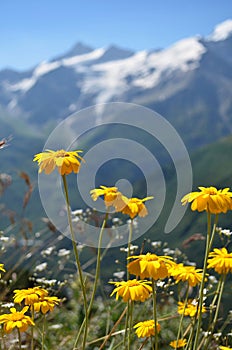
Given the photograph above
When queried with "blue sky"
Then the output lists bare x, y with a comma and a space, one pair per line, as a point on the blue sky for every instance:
32, 31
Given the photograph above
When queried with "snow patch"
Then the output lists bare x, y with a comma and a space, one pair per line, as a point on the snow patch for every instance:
108, 79
24, 85
111, 79
222, 31
93, 55
184, 55
143, 69
46, 67
12, 104
42, 69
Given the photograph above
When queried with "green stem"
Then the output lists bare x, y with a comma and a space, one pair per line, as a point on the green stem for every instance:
126, 337
211, 329
144, 343
32, 328
152, 345
97, 273
182, 316
213, 302
129, 243
126, 324
43, 332
98, 264
77, 261
213, 232
191, 327
130, 324
154, 295
20, 339
114, 327
209, 241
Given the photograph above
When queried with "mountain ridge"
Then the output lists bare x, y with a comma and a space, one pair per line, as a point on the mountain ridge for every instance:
190, 82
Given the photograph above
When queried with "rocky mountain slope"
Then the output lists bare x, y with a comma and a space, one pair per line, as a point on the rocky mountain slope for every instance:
189, 83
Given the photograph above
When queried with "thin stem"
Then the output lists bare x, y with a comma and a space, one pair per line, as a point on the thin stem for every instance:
3, 339
213, 231
77, 262
130, 324
126, 337
152, 345
126, 324
32, 328
129, 243
114, 327
211, 329
144, 343
201, 343
154, 295
43, 332
97, 273
213, 302
182, 315
20, 339
190, 326
201, 293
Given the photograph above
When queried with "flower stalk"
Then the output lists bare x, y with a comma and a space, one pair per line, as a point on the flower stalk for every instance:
211, 329
154, 296
43, 331
20, 339
32, 328
97, 274
209, 241
182, 315
77, 262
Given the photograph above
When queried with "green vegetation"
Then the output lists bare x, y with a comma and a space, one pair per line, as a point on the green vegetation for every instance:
169, 295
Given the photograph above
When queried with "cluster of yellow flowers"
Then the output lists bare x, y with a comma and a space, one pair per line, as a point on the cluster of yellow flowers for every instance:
157, 267
36, 299
150, 265
128, 206
154, 267
189, 309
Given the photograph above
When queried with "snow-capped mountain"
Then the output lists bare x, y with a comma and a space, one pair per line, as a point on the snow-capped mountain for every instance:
189, 83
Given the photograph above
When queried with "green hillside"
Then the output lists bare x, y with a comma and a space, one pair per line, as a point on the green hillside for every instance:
211, 166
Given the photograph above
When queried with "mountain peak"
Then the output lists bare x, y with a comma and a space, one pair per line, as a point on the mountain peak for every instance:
113, 53
222, 31
78, 49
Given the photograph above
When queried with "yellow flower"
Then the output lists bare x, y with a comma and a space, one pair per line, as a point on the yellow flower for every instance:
210, 199
186, 273
46, 304
224, 348
190, 309
220, 260
30, 295
16, 319
112, 197
146, 328
150, 265
2, 268
178, 344
66, 162
132, 290
135, 206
